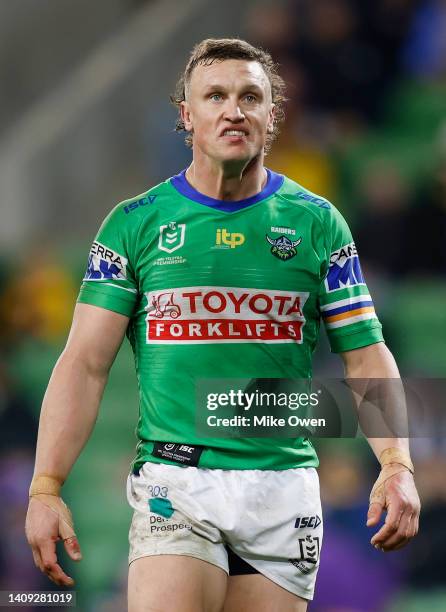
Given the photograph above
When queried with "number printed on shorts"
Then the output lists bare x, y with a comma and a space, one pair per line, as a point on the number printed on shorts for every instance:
158, 491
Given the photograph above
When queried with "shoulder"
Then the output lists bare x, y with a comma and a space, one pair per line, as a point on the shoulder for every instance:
316, 205
322, 212
131, 210
302, 195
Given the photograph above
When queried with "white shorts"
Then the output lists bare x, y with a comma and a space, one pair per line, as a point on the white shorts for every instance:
271, 519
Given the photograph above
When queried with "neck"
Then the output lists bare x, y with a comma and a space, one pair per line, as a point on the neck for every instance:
230, 181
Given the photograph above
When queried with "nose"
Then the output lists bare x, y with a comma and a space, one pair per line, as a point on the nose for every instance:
233, 111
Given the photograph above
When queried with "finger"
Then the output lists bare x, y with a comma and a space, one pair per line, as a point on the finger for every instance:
401, 537
50, 565
374, 514
57, 575
401, 545
394, 514
65, 529
416, 523
412, 528
37, 558
72, 547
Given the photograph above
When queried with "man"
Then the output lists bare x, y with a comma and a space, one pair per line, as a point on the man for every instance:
193, 309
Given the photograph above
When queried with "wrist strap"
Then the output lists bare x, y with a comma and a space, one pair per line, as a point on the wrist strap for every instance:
396, 455
44, 484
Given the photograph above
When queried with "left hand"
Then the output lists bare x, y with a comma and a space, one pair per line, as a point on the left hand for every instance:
403, 511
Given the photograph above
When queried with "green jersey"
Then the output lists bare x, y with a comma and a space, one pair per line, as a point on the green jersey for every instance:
224, 289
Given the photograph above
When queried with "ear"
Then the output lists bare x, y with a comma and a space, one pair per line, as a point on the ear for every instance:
271, 119
186, 116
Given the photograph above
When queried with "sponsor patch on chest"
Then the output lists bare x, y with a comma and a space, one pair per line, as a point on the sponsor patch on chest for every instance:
224, 314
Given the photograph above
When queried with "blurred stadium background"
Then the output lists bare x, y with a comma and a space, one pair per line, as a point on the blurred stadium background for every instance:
85, 122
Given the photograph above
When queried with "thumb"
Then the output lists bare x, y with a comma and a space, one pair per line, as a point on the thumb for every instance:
73, 549
374, 514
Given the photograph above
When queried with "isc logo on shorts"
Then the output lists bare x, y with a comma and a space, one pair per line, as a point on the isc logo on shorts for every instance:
224, 314
311, 522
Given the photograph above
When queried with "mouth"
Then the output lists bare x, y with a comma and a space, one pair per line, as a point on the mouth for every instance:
232, 133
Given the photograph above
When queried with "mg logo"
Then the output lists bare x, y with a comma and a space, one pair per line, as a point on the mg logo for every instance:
171, 236
225, 239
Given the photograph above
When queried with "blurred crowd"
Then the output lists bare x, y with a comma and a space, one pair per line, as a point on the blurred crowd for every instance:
350, 66
366, 128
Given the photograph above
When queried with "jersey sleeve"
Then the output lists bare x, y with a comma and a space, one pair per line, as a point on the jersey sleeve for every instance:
109, 280
345, 303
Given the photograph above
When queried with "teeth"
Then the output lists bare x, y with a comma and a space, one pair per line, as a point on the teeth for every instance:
234, 133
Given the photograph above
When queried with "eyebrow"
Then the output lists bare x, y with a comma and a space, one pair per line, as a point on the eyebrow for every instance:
245, 88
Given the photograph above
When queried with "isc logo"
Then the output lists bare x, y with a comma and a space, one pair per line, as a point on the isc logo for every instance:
137, 203
307, 521
224, 237
186, 449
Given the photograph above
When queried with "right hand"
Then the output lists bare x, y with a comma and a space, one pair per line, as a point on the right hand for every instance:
44, 527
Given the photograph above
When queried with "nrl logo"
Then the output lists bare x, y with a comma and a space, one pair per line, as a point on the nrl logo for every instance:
171, 236
283, 247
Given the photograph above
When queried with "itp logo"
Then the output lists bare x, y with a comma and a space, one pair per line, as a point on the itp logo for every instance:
225, 239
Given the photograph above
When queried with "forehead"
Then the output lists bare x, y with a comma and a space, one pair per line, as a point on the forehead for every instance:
229, 73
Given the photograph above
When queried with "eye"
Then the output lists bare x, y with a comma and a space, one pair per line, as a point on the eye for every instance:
216, 97
250, 98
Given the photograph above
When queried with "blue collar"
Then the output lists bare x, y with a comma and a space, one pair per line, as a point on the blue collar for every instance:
181, 184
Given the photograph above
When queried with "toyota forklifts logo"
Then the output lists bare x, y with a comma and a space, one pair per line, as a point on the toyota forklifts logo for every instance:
224, 314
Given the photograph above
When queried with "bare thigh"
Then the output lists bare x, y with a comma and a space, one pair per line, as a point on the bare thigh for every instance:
256, 593
162, 583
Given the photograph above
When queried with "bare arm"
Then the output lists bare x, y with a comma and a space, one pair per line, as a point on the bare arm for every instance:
374, 361
69, 411
401, 497
71, 403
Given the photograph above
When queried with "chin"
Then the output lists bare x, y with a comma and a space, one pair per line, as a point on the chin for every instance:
236, 156
240, 154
